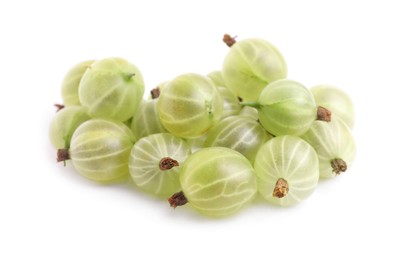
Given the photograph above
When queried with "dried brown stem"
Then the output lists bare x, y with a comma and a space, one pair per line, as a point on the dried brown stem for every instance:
338, 166
59, 107
281, 188
155, 93
229, 40
62, 155
177, 199
166, 163
323, 114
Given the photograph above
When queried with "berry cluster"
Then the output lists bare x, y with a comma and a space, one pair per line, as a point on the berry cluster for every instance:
213, 141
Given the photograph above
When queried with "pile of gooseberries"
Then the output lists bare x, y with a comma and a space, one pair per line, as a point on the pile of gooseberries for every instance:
214, 141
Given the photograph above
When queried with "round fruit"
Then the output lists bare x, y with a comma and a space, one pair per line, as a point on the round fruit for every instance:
111, 88
100, 149
287, 169
154, 163
250, 65
189, 105
216, 181
334, 144
286, 107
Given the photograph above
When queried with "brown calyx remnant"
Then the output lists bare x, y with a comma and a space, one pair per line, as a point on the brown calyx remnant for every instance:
166, 163
155, 93
281, 188
323, 114
59, 107
62, 155
338, 166
229, 40
177, 199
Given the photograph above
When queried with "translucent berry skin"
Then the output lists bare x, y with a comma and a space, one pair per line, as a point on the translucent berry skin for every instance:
240, 133
291, 159
286, 107
250, 65
335, 100
64, 124
331, 140
70, 83
145, 159
249, 112
231, 101
189, 105
100, 149
218, 181
111, 88
217, 78
146, 120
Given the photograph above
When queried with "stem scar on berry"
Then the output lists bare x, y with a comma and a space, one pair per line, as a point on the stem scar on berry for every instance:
167, 163
281, 188
323, 114
229, 40
177, 199
155, 93
338, 166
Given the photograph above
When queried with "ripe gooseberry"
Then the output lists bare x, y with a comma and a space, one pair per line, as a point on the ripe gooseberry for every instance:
154, 163
250, 65
111, 88
99, 150
189, 105
287, 169
334, 144
216, 181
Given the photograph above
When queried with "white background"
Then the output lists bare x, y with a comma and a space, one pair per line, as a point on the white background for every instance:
50, 212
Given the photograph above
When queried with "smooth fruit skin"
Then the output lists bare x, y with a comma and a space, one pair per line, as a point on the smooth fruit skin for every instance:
231, 101
189, 105
286, 108
71, 81
99, 149
250, 65
249, 112
111, 88
144, 161
64, 124
335, 100
331, 140
146, 120
289, 158
217, 78
218, 181
240, 133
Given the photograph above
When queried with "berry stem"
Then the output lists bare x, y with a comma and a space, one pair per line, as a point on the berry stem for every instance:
338, 166
229, 40
281, 188
323, 114
59, 107
251, 104
129, 76
166, 163
177, 199
155, 93
62, 155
